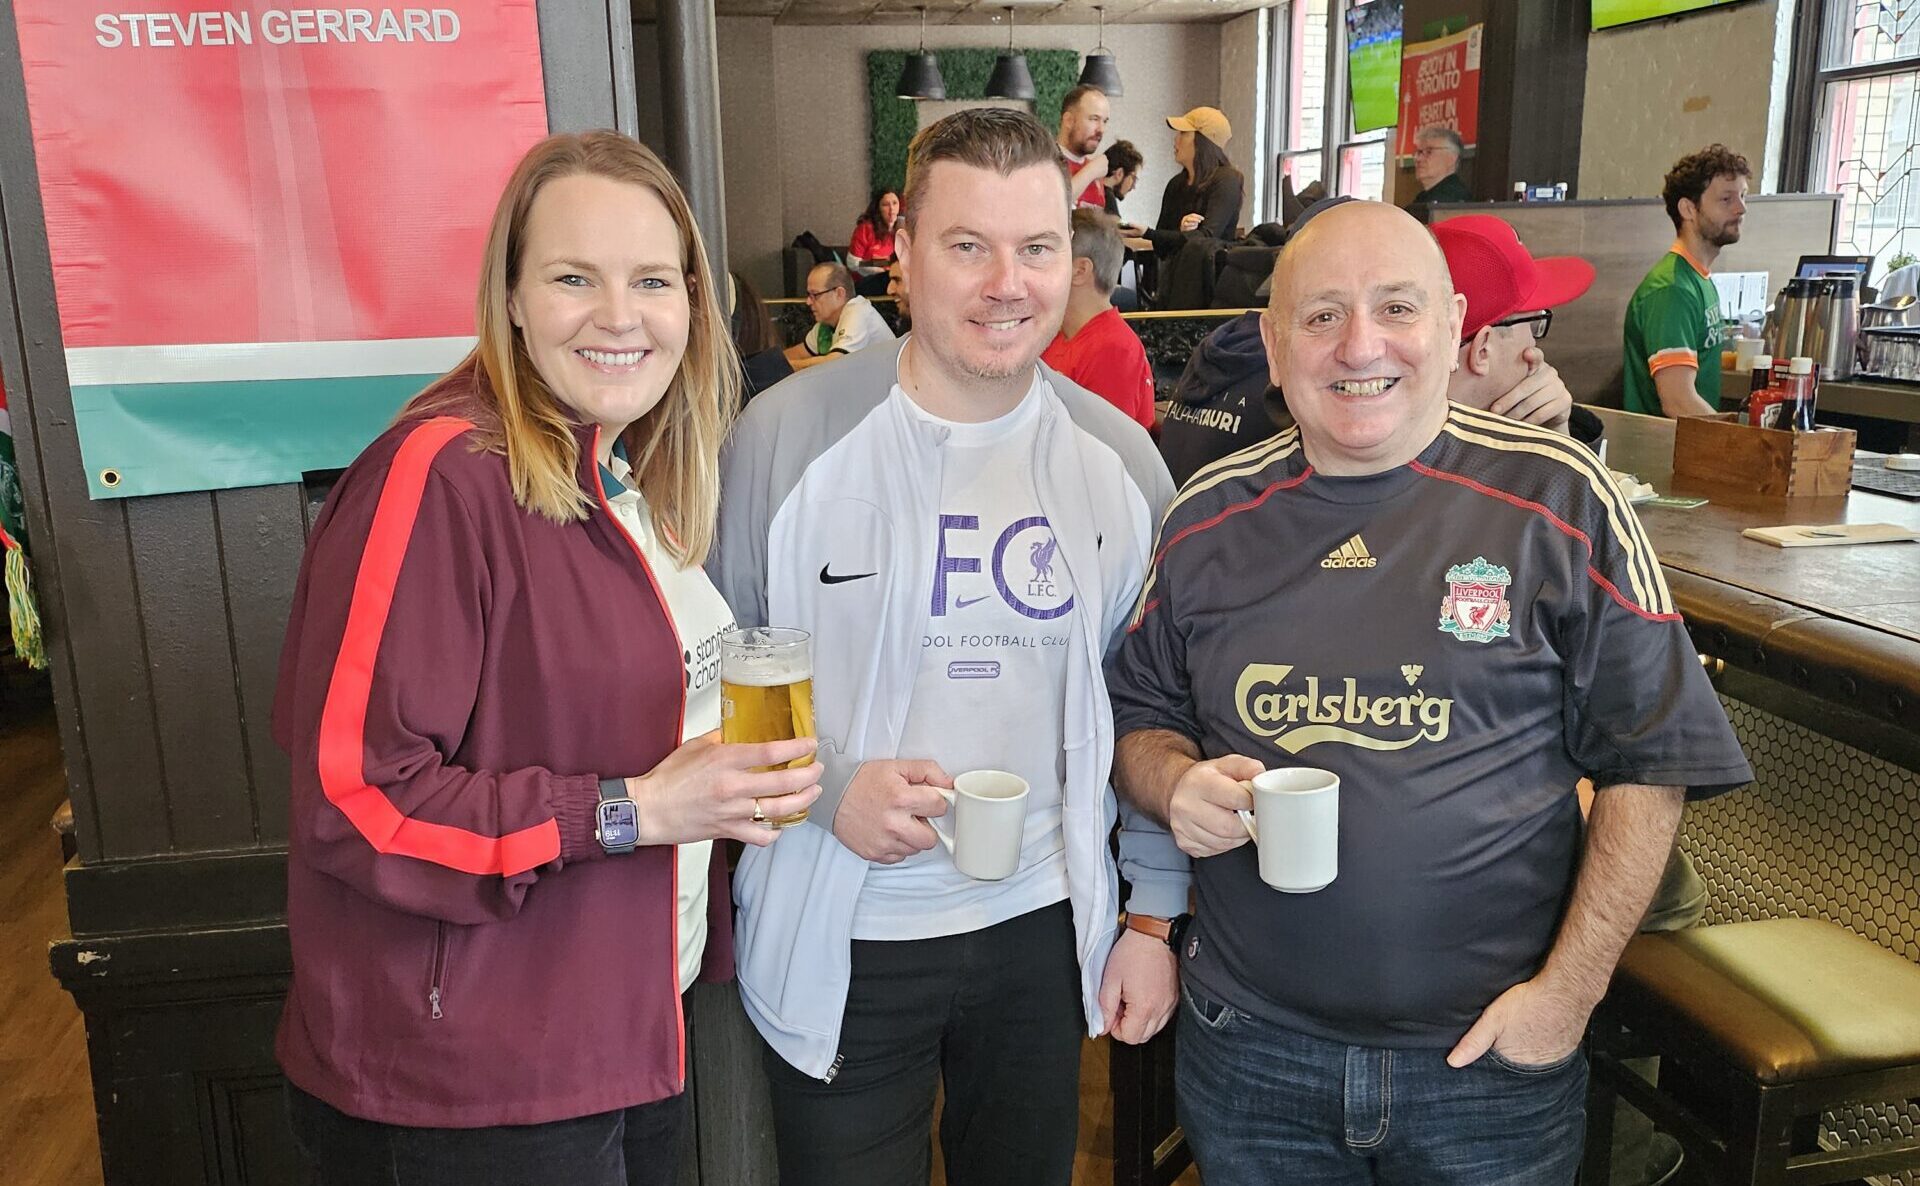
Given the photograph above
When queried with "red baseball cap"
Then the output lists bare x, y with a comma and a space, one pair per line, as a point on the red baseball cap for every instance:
1499, 277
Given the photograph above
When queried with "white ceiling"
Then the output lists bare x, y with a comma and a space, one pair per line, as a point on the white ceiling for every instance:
973, 12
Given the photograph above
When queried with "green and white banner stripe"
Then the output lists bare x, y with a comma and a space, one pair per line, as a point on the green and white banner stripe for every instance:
165, 419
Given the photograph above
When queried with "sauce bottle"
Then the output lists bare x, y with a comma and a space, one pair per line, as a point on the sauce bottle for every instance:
1764, 396
1800, 393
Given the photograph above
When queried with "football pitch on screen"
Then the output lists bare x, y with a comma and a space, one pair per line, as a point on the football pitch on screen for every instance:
1607, 13
1375, 73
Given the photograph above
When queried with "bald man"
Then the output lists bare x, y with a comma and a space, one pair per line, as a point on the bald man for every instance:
1457, 615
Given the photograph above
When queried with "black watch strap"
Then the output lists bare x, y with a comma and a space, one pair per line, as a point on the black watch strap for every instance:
612, 789
1177, 931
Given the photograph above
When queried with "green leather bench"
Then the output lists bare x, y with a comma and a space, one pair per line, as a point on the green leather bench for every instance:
1759, 1027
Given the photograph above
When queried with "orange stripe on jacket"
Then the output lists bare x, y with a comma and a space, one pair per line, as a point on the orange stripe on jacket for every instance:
344, 718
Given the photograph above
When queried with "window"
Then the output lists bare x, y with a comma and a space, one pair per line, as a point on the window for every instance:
1297, 80
1864, 146
1307, 76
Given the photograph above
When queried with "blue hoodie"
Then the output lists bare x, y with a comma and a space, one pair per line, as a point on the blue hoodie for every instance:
1220, 404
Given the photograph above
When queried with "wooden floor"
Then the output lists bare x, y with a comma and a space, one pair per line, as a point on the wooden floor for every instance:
46, 1099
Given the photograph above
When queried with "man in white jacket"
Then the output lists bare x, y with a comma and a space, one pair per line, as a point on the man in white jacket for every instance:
964, 532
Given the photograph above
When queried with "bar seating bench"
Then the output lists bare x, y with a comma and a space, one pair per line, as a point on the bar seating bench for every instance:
1760, 1027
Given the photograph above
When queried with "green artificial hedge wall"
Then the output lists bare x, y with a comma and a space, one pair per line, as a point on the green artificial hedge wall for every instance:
892, 120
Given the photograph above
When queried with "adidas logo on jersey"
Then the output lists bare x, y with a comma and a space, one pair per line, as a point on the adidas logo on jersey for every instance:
1352, 554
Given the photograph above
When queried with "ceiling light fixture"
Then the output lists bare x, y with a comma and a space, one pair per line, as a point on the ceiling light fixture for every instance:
1011, 79
1101, 70
920, 75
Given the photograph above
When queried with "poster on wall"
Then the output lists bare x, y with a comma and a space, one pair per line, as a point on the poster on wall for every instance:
1440, 84
266, 222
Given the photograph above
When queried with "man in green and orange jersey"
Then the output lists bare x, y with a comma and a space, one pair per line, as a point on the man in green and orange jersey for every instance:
1673, 332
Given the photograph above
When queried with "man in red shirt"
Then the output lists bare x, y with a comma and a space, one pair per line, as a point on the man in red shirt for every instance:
1084, 113
1095, 347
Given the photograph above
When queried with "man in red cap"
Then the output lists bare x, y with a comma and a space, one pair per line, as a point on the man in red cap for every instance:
1510, 301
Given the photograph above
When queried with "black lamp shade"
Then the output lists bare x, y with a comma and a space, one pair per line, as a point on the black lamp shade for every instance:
920, 77
1101, 71
1011, 79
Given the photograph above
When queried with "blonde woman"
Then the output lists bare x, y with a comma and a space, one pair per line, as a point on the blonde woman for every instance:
497, 701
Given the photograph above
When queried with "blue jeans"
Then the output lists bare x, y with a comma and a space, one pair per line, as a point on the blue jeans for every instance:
1263, 1104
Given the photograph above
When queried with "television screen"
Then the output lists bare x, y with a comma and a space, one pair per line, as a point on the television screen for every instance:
1373, 63
1608, 13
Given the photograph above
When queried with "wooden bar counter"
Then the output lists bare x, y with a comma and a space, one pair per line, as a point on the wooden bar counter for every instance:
1816, 654
1841, 623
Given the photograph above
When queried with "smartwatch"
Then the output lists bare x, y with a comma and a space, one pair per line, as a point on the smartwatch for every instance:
1167, 930
616, 819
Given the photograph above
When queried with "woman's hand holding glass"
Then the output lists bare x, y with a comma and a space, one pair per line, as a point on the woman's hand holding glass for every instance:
708, 790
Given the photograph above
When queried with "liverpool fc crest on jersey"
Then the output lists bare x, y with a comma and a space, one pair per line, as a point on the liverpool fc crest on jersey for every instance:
1475, 608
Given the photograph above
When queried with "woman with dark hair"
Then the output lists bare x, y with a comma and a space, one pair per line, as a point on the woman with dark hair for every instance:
762, 359
872, 242
1204, 197
1199, 210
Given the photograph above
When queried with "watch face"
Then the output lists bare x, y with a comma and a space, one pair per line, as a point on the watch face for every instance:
619, 824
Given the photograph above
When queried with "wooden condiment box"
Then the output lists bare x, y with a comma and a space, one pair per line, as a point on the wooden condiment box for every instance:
1724, 450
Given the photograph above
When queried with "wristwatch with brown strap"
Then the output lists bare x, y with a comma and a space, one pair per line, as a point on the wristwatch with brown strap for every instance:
1167, 930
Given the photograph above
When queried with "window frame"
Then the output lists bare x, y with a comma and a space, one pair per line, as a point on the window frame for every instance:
1337, 135
1810, 82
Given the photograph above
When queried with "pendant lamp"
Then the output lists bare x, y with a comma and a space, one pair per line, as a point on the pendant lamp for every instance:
1011, 79
1101, 70
920, 76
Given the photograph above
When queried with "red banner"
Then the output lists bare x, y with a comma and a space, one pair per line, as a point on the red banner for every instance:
1440, 84
274, 175
266, 222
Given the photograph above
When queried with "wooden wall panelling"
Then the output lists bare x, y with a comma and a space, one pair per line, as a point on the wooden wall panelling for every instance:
176, 559
262, 532
731, 1140
1623, 239
108, 699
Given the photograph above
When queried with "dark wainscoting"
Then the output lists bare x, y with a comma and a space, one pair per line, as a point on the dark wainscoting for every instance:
164, 621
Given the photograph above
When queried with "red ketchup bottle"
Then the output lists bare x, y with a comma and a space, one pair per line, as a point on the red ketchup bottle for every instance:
1764, 397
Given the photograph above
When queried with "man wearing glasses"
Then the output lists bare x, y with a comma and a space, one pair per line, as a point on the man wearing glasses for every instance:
843, 322
1510, 301
1499, 367
1436, 164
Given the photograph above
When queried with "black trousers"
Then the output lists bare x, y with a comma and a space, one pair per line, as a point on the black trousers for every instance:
627, 1147
995, 1015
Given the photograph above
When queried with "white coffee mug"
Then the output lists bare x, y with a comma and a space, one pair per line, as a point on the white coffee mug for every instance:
989, 822
1298, 811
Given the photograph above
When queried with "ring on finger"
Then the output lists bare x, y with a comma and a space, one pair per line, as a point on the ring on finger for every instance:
759, 816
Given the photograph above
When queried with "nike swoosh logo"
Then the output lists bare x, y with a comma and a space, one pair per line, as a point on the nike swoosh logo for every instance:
827, 578
964, 602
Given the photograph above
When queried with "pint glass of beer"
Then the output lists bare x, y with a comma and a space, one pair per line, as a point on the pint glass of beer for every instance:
766, 692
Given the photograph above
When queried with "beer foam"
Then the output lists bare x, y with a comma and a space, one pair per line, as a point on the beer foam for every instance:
765, 671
